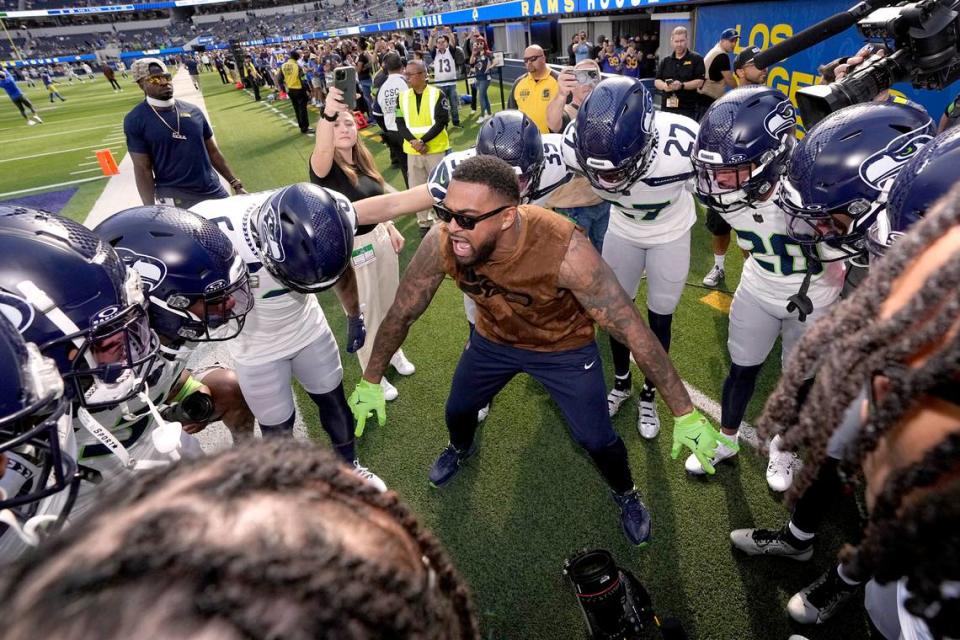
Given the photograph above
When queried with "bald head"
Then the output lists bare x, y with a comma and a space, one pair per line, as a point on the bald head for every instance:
535, 60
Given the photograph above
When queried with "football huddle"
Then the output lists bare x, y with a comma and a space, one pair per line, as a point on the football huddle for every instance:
850, 235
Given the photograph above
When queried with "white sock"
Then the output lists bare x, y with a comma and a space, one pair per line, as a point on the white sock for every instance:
718, 260
843, 576
799, 534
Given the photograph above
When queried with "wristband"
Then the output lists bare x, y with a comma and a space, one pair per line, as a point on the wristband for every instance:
323, 115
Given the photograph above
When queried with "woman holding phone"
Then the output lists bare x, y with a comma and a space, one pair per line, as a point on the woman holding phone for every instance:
480, 60
342, 162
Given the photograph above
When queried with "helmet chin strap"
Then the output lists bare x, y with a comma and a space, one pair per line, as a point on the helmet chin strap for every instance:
800, 301
165, 435
28, 530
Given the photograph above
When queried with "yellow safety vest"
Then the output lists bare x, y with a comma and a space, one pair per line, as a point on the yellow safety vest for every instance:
420, 121
291, 74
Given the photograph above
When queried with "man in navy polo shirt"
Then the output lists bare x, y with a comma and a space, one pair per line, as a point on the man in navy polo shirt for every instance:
175, 159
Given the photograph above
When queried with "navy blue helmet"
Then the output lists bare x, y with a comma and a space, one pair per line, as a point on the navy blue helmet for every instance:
838, 172
36, 434
197, 286
514, 138
614, 134
68, 292
743, 147
304, 236
925, 179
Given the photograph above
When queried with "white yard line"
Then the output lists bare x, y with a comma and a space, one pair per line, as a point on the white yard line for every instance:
51, 153
709, 406
50, 186
58, 133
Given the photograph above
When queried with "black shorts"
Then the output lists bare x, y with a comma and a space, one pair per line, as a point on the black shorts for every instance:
716, 224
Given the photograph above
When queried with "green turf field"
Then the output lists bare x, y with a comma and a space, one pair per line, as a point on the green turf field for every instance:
61, 150
530, 497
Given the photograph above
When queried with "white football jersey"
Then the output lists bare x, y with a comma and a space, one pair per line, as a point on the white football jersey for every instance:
23, 474
776, 266
282, 321
132, 424
554, 173
659, 207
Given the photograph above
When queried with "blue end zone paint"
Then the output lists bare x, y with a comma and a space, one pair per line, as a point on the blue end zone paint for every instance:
52, 201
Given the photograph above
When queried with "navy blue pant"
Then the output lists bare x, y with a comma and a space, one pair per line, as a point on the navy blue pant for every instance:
574, 379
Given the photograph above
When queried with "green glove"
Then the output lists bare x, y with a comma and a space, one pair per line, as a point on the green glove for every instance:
366, 399
695, 432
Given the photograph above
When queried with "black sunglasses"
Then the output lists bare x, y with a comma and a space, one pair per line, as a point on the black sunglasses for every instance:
467, 223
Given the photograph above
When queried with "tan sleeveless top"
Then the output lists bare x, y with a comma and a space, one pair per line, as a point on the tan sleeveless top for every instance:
518, 301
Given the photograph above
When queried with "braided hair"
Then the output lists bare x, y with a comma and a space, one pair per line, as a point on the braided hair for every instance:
271, 540
915, 538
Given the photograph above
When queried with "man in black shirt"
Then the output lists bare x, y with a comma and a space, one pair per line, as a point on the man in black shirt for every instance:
679, 77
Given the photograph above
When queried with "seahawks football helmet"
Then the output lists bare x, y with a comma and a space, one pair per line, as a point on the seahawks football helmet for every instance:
197, 286
923, 180
303, 235
614, 136
67, 291
743, 147
39, 481
839, 171
513, 137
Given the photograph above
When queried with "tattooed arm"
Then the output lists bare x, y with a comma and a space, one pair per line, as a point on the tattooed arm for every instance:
417, 288
593, 283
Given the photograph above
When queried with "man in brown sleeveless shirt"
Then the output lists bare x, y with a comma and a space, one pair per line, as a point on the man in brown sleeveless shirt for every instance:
539, 286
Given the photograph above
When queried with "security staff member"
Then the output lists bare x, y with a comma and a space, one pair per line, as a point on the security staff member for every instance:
292, 76
422, 116
252, 77
385, 110
534, 90
679, 77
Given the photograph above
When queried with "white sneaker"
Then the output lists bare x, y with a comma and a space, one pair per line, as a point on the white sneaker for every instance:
389, 391
722, 453
365, 474
481, 119
403, 366
713, 277
616, 398
781, 467
37, 118
648, 420
483, 413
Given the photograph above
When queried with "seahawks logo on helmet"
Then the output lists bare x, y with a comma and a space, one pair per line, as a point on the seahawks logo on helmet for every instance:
17, 310
647, 122
782, 119
885, 164
271, 235
152, 270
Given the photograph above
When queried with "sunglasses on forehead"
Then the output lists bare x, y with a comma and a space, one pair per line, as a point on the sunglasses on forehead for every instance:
465, 222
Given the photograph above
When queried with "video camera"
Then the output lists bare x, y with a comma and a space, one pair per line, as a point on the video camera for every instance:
924, 38
614, 603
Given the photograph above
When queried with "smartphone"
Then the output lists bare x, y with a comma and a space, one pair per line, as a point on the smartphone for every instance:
345, 79
587, 76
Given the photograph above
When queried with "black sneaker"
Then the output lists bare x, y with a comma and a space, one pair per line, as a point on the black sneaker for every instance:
821, 599
766, 542
448, 464
634, 517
